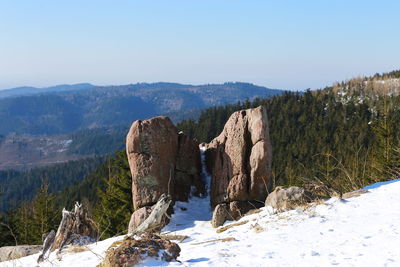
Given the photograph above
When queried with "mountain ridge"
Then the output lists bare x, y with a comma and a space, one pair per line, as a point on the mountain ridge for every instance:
71, 109
30, 90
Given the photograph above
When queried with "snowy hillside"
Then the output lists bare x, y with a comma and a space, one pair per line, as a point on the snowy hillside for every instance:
361, 231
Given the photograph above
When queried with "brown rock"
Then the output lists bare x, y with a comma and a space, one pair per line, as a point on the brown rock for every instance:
151, 147
282, 199
238, 209
232, 211
220, 215
239, 159
162, 161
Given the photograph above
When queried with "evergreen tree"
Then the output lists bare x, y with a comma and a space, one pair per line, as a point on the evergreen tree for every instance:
22, 224
115, 206
31, 220
386, 150
45, 215
7, 235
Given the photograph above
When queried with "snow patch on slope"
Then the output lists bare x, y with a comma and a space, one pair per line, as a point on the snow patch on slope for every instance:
361, 231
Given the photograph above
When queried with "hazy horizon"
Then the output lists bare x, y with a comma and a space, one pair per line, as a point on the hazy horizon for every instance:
287, 45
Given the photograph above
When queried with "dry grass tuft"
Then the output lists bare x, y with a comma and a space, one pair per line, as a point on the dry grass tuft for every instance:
257, 228
224, 228
115, 244
179, 238
227, 239
354, 193
77, 249
254, 211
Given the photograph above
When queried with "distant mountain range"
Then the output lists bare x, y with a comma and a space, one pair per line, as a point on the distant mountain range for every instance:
27, 90
66, 108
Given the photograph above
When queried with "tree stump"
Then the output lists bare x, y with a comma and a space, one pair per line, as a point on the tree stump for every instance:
75, 226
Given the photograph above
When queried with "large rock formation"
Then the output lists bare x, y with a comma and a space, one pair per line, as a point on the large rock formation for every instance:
239, 159
162, 161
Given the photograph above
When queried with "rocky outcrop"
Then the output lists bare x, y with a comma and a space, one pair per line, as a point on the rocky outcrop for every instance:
239, 159
162, 161
132, 251
152, 147
282, 199
16, 252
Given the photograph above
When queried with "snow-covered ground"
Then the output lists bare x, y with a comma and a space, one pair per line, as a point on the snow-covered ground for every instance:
361, 231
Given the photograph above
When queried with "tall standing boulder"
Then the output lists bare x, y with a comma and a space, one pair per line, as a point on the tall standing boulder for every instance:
151, 146
239, 159
162, 161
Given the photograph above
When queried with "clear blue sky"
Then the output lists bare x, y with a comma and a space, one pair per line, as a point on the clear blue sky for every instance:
279, 44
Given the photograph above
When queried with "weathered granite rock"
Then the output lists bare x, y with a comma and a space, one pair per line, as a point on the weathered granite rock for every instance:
238, 209
220, 215
16, 252
161, 161
230, 211
282, 199
239, 159
152, 147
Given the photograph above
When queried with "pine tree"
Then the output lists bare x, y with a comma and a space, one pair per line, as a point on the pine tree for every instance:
45, 215
22, 223
32, 219
7, 235
115, 206
386, 151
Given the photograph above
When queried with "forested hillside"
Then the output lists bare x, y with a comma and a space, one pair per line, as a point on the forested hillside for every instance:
27, 90
24, 152
20, 186
65, 111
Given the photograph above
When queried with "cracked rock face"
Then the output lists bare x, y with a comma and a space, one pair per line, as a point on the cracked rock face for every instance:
161, 161
239, 159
